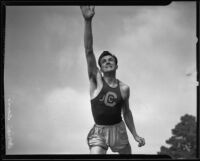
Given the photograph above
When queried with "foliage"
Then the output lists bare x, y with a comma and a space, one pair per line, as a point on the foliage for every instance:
183, 141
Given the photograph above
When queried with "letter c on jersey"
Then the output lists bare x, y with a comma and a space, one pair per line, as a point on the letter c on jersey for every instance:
110, 99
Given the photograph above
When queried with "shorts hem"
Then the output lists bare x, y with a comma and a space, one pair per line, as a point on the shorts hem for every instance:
90, 146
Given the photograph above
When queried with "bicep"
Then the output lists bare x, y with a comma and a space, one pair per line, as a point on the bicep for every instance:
126, 108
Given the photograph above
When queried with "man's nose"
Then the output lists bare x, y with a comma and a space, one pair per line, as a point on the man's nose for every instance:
107, 63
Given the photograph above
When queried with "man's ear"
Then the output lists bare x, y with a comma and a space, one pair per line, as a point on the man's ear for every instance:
116, 67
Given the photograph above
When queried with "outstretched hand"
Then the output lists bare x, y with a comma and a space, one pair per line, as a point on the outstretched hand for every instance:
140, 140
87, 12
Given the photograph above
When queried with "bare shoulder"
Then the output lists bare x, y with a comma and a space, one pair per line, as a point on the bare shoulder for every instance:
99, 76
125, 90
96, 84
124, 87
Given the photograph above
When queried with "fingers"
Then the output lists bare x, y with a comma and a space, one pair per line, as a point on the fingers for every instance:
81, 7
84, 7
92, 8
141, 142
88, 8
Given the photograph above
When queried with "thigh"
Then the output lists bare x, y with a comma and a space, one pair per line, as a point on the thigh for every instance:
119, 138
96, 139
97, 150
125, 150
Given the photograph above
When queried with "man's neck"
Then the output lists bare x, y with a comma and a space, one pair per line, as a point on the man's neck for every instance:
110, 78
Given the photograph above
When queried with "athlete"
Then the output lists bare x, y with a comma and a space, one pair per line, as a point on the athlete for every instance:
109, 99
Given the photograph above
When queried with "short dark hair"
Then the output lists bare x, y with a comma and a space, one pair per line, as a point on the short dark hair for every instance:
105, 53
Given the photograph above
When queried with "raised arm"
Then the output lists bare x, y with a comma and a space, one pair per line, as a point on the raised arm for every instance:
88, 13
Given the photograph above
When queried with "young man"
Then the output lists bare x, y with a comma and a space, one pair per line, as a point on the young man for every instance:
109, 98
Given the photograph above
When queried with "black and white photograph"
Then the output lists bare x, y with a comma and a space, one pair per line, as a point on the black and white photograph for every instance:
62, 96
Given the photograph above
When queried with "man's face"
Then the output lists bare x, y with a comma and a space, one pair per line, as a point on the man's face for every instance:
108, 64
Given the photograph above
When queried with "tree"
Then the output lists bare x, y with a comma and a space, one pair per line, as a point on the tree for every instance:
183, 141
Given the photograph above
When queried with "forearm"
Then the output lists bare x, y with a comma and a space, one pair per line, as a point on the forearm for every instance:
128, 118
88, 38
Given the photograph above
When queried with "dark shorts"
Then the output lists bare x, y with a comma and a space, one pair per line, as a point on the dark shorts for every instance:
105, 136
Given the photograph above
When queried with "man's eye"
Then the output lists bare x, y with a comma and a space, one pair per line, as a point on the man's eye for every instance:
103, 61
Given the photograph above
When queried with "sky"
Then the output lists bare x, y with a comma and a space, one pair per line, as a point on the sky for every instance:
46, 83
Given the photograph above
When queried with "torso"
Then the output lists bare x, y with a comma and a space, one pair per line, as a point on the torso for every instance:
107, 101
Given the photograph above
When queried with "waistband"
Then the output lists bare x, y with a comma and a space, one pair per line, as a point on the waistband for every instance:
96, 125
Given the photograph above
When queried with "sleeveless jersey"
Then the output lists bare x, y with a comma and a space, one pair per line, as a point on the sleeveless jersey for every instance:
106, 106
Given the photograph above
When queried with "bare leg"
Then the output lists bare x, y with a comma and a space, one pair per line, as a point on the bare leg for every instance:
97, 150
126, 150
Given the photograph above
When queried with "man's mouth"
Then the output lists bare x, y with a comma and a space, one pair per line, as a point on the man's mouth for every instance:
109, 67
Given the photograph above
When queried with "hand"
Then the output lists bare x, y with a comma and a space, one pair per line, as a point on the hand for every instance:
88, 12
140, 140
